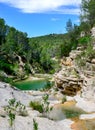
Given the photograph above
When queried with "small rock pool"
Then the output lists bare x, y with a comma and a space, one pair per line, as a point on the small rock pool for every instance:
32, 84
67, 110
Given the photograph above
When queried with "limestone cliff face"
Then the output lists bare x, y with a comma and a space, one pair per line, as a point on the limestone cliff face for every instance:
20, 70
68, 80
72, 79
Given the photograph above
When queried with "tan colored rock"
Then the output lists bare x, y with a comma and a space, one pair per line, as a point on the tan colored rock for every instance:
93, 31
93, 61
74, 53
68, 81
67, 62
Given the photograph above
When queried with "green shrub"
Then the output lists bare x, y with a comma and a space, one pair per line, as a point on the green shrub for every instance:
43, 106
5, 66
35, 125
84, 40
64, 99
80, 60
5, 78
36, 106
14, 107
90, 53
27, 68
87, 55
48, 85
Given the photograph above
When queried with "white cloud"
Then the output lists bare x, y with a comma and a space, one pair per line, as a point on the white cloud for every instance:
68, 11
55, 19
42, 6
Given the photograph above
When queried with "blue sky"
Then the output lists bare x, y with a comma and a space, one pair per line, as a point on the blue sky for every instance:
40, 17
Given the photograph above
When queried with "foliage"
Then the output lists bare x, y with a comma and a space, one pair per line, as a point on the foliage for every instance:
5, 78
35, 125
71, 113
4, 65
38, 52
69, 26
73, 35
87, 55
84, 41
88, 11
3, 30
64, 99
12, 43
85, 27
36, 106
14, 107
27, 68
80, 60
49, 84
90, 53
43, 106
44, 49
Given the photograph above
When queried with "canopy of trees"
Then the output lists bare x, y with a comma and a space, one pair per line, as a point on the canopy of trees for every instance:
88, 12
37, 52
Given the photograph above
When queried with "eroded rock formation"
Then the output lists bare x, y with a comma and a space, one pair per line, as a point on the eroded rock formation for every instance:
72, 79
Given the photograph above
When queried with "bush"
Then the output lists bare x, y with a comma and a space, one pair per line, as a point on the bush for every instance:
81, 60
4, 78
90, 53
27, 68
42, 107
6, 67
48, 85
35, 125
84, 40
64, 99
36, 106
15, 107
87, 55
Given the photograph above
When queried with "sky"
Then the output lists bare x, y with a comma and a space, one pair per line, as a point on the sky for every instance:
40, 17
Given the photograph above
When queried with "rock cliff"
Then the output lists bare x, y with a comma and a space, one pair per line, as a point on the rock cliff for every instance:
73, 78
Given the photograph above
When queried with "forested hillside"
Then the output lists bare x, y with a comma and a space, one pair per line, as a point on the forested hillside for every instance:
41, 53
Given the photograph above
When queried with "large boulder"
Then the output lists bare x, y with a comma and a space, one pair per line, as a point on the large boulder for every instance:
68, 81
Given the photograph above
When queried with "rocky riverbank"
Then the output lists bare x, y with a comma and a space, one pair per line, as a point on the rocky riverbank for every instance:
7, 92
26, 123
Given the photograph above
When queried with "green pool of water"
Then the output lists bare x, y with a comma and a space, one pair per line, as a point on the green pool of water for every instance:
31, 85
68, 110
